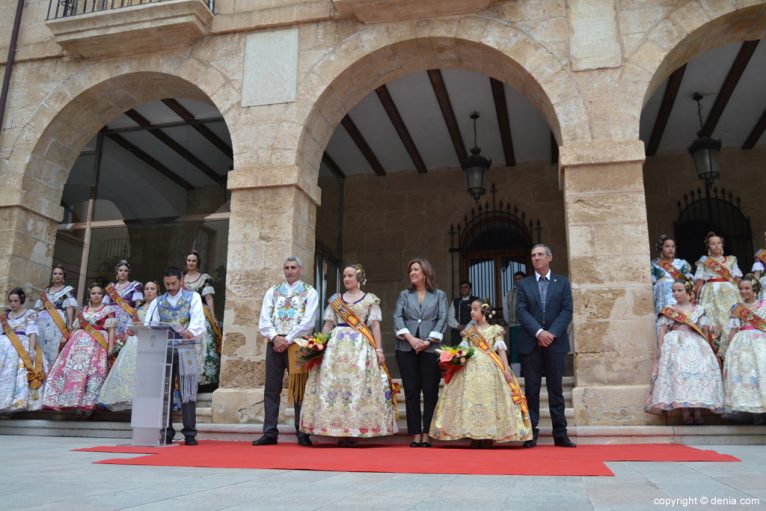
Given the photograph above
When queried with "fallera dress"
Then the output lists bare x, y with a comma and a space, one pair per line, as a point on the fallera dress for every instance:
348, 395
686, 374
132, 293
209, 348
744, 369
80, 369
478, 403
50, 335
15, 394
718, 296
117, 392
662, 281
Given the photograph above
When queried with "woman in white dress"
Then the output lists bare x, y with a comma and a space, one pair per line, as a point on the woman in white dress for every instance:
124, 297
55, 313
665, 270
22, 364
744, 370
117, 392
686, 374
716, 282
759, 269
210, 348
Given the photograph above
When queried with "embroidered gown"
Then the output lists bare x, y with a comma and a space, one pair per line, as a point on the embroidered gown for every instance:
117, 392
208, 355
50, 335
744, 369
15, 394
662, 282
758, 265
478, 403
80, 369
349, 394
718, 296
133, 292
686, 374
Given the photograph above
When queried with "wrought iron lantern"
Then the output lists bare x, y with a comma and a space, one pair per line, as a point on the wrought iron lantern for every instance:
475, 167
705, 151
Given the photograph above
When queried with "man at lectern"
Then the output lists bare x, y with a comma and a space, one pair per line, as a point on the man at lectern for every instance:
182, 310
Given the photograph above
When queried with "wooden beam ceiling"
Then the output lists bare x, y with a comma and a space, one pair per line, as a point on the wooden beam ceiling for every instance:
202, 129
176, 147
146, 158
333, 166
401, 129
501, 107
442, 96
668, 99
756, 132
363, 146
729, 84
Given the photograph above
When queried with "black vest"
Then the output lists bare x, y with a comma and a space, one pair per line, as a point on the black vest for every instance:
463, 309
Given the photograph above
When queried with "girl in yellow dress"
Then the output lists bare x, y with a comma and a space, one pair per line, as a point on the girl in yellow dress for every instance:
717, 275
483, 401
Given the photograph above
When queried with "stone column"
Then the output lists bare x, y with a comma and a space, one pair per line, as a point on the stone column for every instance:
614, 336
271, 218
26, 250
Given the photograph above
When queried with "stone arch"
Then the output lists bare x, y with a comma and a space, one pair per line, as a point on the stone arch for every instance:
45, 150
380, 53
690, 30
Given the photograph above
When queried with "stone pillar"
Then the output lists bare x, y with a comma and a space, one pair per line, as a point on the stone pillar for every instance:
614, 336
271, 218
26, 250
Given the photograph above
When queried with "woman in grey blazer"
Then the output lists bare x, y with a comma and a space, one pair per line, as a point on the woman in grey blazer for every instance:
420, 318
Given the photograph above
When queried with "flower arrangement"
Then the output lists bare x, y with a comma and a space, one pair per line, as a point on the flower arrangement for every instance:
118, 345
312, 349
453, 359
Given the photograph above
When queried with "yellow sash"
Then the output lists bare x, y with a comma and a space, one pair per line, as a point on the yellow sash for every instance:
348, 316
682, 317
744, 313
473, 335
35, 373
116, 298
53, 313
94, 333
718, 269
214, 324
667, 265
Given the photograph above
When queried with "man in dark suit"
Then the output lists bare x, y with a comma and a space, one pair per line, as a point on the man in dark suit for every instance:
544, 309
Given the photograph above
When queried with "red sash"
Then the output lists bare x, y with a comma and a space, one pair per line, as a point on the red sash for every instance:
681, 317
743, 312
667, 265
111, 290
348, 316
719, 269
35, 373
478, 340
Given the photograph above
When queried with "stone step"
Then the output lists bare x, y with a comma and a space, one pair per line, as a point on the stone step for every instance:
697, 435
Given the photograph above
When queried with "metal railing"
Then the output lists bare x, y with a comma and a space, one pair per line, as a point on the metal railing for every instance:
67, 8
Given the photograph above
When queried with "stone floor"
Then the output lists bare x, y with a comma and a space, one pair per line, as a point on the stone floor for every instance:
42, 473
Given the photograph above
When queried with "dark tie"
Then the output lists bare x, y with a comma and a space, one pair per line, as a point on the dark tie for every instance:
542, 285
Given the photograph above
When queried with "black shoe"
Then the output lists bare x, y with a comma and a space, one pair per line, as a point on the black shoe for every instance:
563, 441
425, 444
529, 443
190, 440
303, 440
266, 440
416, 444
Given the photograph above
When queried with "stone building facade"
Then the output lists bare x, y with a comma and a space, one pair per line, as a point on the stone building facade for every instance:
588, 66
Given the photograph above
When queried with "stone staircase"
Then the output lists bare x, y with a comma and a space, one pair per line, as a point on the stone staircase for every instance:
104, 424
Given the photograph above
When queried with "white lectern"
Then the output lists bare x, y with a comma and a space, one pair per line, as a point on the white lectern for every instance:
153, 393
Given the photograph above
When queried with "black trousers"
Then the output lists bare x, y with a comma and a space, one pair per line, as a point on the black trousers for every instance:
276, 365
542, 361
420, 374
188, 410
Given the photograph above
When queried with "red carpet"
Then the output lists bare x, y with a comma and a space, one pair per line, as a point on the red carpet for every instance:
585, 460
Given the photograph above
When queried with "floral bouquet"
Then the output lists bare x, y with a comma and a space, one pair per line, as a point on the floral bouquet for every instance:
312, 349
453, 359
118, 345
